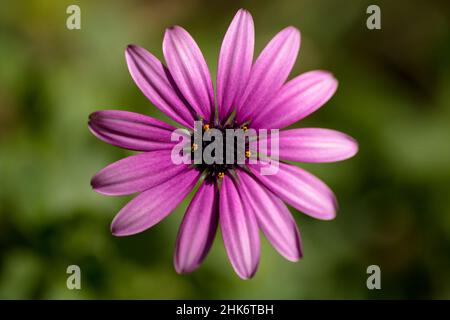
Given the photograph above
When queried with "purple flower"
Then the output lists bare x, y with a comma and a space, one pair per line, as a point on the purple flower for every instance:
238, 197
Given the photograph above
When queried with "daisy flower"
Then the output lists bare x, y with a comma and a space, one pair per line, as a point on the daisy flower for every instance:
237, 197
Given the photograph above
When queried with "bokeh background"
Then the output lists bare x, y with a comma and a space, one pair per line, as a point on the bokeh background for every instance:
394, 98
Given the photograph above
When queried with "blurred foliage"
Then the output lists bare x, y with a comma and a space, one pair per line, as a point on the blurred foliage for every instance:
394, 98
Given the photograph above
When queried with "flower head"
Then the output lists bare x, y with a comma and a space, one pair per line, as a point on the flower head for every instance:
236, 196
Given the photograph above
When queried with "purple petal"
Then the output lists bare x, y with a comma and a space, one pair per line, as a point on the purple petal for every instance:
296, 100
156, 83
273, 217
189, 70
235, 62
300, 189
239, 231
153, 205
198, 229
270, 71
131, 130
313, 145
136, 173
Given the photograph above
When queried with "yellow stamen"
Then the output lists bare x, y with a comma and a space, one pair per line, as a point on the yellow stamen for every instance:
205, 127
221, 175
194, 146
248, 154
245, 128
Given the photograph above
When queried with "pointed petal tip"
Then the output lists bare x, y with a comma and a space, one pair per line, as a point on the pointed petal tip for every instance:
330, 215
95, 185
132, 52
92, 183
331, 84
292, 29
244, 14
243, 11
293, 32
181, 269
169, 30
327, 77
354, 146
97, 115
118, 234
295, 254
247, 272
169, 34
334, 83
115, 230
324, 72
295, 257
118, 230
351, 147
92, 115
330, 212
132, 49
246, 275
178, 268
294, 251
115, 234
184, 266
98, 186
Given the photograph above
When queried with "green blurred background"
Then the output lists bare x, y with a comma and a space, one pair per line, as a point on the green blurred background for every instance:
394, 98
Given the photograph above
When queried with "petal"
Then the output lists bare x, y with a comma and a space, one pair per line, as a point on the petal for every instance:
156, 83
313, 145
131, 130
239, 231
198, 229
270, 71
153, 205
189, 70
300, 189
136, 173
273, 217
297, 99
235, 62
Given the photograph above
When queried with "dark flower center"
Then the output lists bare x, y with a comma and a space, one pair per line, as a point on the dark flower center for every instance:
233, 148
